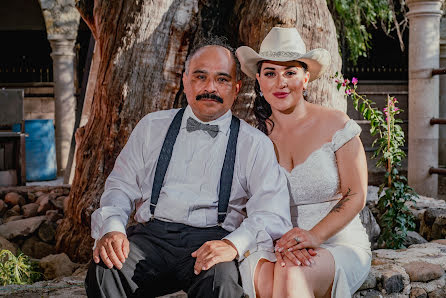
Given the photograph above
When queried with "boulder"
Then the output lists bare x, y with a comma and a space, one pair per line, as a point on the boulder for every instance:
371, 226
46, 232
59, 202
16, 209
14, 218
13, 198
10, 213
413, 238
31, 197
35, 248
418, 293
30, 210
45, 204
53, 215
423, 271
3, 207
392, 281
439, 241
5, 244
57, 266
23, 227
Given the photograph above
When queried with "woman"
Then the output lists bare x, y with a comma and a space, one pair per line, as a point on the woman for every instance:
327, 253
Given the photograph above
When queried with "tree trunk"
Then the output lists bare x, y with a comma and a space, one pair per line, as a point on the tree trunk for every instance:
143, 46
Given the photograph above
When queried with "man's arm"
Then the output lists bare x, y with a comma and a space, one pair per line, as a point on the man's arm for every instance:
117, 202
268, 212
268, 206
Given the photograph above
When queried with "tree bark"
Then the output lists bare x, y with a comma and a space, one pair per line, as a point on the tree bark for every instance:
143, 46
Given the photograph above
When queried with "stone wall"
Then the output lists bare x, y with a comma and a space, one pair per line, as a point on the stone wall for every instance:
29, 218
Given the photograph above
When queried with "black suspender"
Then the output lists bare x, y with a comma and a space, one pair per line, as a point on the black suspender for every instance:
227, 171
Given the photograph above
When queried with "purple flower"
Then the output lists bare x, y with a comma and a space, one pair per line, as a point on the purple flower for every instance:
348, 91
354, 81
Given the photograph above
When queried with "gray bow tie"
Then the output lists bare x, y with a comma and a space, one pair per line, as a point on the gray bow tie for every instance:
193, 125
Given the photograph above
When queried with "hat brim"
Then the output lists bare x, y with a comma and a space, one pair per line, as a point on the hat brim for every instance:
317, 60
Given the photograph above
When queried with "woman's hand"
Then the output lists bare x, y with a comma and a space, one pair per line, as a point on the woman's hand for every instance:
296, 239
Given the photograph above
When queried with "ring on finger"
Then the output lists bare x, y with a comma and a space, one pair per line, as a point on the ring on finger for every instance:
297, 239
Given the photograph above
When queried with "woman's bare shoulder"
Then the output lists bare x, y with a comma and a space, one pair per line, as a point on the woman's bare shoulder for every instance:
331, 118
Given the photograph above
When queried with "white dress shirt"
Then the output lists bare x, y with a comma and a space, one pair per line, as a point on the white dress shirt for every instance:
258, 209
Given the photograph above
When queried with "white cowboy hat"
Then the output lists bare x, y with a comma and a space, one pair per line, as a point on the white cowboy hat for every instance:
284, 44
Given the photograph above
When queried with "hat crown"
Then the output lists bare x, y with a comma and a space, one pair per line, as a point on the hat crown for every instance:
283, 40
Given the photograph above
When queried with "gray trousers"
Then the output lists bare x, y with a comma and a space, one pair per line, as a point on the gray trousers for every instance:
160, 263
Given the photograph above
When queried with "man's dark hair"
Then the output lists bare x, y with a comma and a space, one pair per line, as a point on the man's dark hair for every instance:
213, 41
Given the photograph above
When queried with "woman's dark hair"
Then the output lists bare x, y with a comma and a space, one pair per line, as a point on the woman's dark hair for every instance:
262, 109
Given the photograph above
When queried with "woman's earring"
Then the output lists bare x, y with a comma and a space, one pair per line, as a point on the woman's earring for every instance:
261, 94
305, 93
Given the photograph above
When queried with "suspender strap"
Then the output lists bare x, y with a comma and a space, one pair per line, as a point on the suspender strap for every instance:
227, 172
164, 158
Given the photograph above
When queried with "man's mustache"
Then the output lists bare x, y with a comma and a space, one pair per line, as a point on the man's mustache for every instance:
209, 96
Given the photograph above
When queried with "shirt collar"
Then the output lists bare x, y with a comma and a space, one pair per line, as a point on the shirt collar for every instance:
223, 122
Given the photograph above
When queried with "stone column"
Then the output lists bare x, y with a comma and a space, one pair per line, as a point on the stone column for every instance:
442, 114
424, 47
65, 101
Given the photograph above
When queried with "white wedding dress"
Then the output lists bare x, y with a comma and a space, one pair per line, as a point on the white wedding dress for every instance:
314, 188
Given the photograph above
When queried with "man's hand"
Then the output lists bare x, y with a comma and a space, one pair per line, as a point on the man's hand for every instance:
213, 252
113, 248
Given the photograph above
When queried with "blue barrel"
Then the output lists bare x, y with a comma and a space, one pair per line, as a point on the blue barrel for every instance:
40, 150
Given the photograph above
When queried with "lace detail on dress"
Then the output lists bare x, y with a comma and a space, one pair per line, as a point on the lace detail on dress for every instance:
342, 136
314, 184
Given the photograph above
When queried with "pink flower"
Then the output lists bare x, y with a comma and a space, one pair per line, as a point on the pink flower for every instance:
396, 109
385, 109
343, 84
346, 81
348, 91
336, 80
354, 81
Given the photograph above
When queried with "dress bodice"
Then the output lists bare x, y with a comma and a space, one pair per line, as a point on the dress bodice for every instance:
314, 184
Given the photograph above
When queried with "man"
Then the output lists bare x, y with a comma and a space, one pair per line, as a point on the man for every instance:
198, 170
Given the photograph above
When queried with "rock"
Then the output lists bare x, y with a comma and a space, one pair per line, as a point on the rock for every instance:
14, 218
423, 271
392, 281
413, 238
22, 227
439, 241
370, 282
35, 248
31, 197
44, 197
371, 226
57, 266
3, 207
46, 232
30, 209
59, 202
53, 215
45, 204
368, 294
418, 293
5, 244
14, 198
16, 209
438, 293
